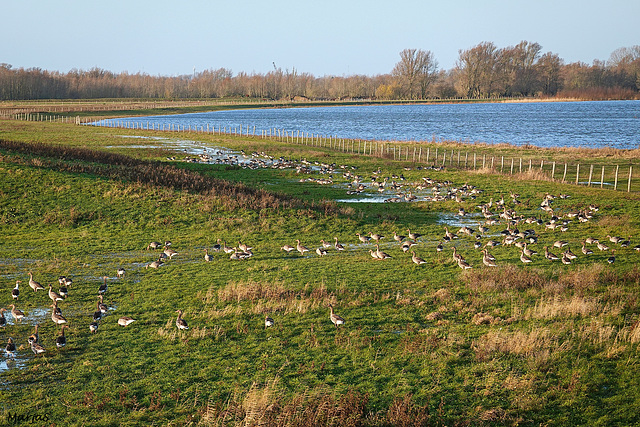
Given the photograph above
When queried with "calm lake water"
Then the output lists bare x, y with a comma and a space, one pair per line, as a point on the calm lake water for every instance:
545, 124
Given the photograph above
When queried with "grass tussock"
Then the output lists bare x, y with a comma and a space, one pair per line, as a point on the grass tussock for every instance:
509, 277
563, 307
538, 342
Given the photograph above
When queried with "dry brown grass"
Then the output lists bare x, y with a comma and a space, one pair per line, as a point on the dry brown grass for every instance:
562, 307
537, 342
509, 277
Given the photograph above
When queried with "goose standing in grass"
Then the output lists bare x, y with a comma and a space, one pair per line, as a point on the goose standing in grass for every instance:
154, 245
337, 245
570, 254
586, 250
380, 254
34, 336
34, 285
180, 322
3, 320
488, 259
321, 251
529, 252
398, 238
287, 248
550, 255
54, 295
243, 247
560, 243
335, 319
565, 259
63, 291
10, 349
93, 327
439, 247
207, 257
325, 245
125, 321
374, 255
612, 258
15, 293
37, 348
413, 236
416, 259
227, 249
376, 237
56, 317
102, 306
300, 248
154, 264
103, 288
170, 253
120, 273
17, 314
363, 239
525, 259
268, 322
61, 340
602, 246
56, 309
463, 264
217, 247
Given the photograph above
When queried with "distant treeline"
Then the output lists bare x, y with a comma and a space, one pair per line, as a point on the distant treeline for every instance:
483, 71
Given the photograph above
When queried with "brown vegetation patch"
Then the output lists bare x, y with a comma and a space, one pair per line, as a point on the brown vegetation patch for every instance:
537, 342
503, 278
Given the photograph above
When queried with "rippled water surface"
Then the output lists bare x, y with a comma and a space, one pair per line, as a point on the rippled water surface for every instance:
545, 124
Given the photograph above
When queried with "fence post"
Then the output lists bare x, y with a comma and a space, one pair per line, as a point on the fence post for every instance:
520, 164
428, 150
565, 172
553, 172
629, 184
602, 178
474, 160
577, 173
590, 173
615, 184
501, 163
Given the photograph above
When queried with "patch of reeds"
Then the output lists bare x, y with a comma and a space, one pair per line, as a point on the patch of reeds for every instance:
538, 342
509, 277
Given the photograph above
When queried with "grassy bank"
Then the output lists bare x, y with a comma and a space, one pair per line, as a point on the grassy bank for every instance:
521, 344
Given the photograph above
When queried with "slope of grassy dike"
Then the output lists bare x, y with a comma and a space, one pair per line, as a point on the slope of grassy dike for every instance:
430, 344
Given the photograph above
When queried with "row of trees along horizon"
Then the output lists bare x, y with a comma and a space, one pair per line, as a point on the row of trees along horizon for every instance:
483, 71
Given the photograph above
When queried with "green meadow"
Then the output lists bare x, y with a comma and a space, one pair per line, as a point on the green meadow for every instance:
518, 343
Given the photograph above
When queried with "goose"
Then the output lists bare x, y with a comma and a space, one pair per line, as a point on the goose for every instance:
61, 340
591, 240
56, 308
154, 264
625, 243
15, 293
97, 315
102, 306
217, 247
226, 249
337, 245
380, 254
125, 321
243, 247
287, 248
449, 235
300, 248
3, 320
54, 295
207, 257
34, 336
34, 285
321, 251
103, 288
335, 319
268, 322
398, 238
363, 239
56, 317
417, 260
406, 245
120, 273
63, 291
413, 236
463, 264
602, 246
570, 254
154, 245
612, 258
529, 252
560, 243
586, 250
488, 259
10, 348
374, 255
565, 259
93, 327
325, 245
376, 237
549, 255
615, 239
37, 348
180, 322
525, 259
439, 247
17, 314
170, 253
456, 256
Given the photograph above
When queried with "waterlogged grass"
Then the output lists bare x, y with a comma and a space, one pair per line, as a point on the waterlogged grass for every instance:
542, 343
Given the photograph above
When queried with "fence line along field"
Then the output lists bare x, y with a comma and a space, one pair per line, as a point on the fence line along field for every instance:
221, 282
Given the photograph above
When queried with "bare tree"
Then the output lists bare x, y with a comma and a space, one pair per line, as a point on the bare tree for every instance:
416, 70
476, 70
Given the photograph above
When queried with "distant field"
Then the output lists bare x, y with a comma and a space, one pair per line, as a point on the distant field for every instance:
425, 342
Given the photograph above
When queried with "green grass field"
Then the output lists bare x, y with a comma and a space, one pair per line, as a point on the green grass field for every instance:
541, 343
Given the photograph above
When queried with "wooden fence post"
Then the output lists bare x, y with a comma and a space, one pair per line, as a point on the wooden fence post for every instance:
565, 172
602, 178
577, 173
553, 172
615, 184
590, 173
512, 166
629, 184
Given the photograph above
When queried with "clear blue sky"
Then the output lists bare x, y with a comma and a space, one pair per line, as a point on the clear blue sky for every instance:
328, 37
